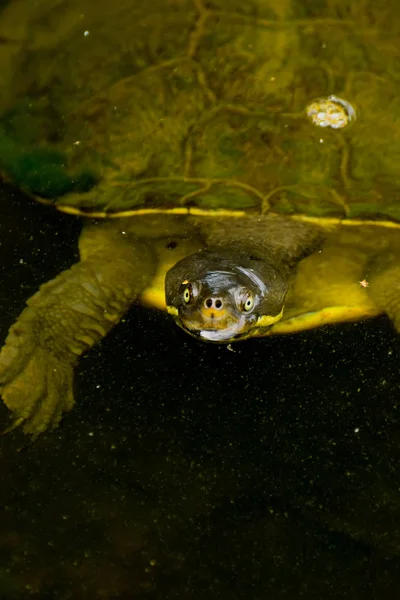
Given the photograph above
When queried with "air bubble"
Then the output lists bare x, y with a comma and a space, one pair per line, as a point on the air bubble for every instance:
331, 112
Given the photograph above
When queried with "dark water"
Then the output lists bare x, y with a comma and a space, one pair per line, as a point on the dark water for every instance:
189, 471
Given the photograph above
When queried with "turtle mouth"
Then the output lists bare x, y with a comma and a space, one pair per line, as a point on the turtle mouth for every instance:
225, 326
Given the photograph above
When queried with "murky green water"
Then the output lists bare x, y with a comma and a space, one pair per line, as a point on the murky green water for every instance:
187, 470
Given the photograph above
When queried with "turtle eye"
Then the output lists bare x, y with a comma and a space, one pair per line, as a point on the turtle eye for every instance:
247, 302
187, 294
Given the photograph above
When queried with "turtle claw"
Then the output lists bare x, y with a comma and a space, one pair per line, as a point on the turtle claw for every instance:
16, 423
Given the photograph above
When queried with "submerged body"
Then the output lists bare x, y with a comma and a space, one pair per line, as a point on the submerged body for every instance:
309, 273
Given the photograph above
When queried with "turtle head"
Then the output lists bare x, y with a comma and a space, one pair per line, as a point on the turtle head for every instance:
225, 295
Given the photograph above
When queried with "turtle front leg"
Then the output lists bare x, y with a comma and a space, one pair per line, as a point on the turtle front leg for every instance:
62, 320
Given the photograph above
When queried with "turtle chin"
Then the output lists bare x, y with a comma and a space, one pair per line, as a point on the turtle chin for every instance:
220, 331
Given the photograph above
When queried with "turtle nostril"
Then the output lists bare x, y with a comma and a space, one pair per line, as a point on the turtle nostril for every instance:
211, 303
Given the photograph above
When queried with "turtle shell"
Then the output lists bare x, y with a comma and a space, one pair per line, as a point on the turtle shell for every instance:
119, 107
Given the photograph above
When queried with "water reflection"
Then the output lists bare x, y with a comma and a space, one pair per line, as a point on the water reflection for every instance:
186, 470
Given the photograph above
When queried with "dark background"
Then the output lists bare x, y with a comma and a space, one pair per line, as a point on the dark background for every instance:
189, 471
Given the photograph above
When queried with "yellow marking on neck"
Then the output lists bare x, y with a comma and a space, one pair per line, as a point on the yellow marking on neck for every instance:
172, 310
267, 320
326, 316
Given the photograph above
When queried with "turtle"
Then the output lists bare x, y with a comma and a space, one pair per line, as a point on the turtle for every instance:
179, 132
